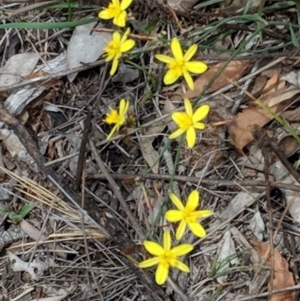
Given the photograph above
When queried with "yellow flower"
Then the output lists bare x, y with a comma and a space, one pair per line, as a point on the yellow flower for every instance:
165, 257
187, 215
180, 65
116, 117
116, 47
117, 11
188, 122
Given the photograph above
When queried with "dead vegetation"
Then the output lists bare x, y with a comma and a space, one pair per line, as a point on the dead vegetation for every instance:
75, 208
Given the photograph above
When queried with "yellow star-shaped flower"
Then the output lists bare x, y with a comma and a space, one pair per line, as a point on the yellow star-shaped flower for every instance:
116, 47
116, 10
165, 257
187, 215
180, 64
188, 122
116, 117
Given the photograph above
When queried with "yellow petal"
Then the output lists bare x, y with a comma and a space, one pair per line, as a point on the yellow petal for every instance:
114, 67
111, 117
183, 267
125, 4
161, 274
127, 45
176, 134
173, 216
109, 58
176, 201
113, 131
191, 137
116, 3
190, 52
120, 20
149, 262
116, 37
125, 35
188, 80
199, 125
164, 58
180, 229
196, 67
106, 14
188, 107
182, 249
167, 240
153, 248
201, 113
176, 49
171, 77
197, 229
193, 200
124, 105
202, 213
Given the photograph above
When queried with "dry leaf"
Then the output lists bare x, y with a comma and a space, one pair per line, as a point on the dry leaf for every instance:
17, 67
85, 47
150, 155
240, 127
283, 278
292, 115
232, 72
181, 7
281, 175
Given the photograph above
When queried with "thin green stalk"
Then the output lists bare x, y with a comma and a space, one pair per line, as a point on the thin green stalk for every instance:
285, 125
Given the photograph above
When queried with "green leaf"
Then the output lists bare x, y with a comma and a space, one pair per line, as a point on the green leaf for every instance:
14, 216
44, 25
25, 210
294, 37
3, 210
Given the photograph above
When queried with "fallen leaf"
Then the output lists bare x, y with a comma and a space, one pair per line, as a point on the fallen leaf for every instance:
85, 47
292, 115
293, 78
231, 73
182, 7
150, 155
16, 67
281, 175
19, 99
241, 201
283, 278
239, 129
257, 225
168, 109
226, 256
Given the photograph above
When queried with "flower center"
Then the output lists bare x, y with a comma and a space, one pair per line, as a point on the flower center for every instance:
189, 216
114, 117
168, 259
113, 48
116, 10
178, 67
186, 121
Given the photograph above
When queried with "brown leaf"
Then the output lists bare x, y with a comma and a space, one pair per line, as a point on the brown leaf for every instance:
232, 72
292, 115
283, 278
275, 94
240, 127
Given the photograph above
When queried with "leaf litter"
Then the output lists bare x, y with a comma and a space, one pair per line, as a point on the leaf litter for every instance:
283, 278
64, 228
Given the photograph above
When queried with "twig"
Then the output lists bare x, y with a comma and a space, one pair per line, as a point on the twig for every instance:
116, 191
212, 182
